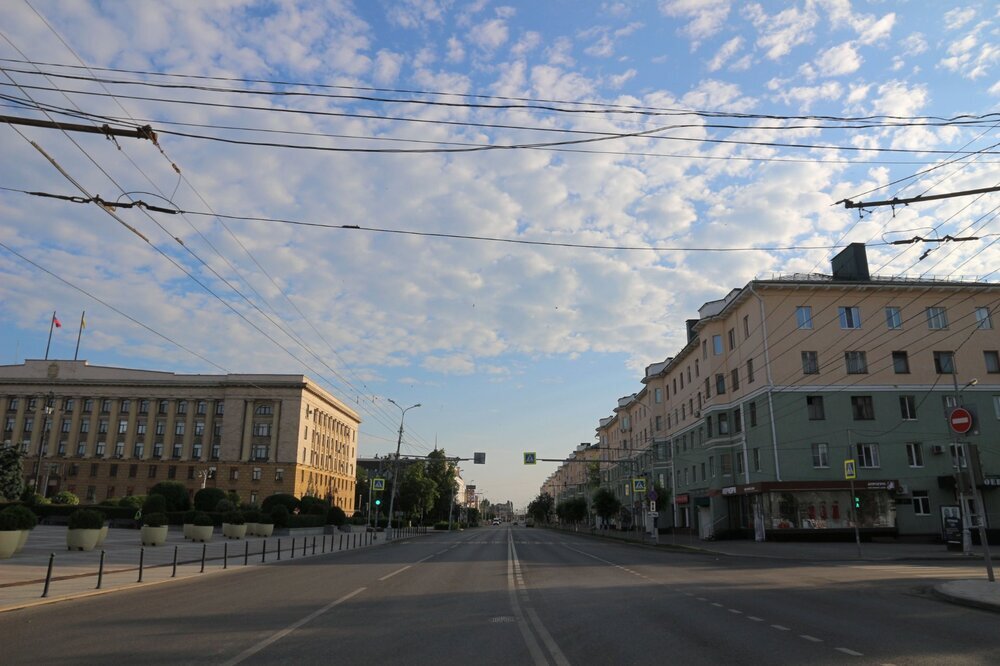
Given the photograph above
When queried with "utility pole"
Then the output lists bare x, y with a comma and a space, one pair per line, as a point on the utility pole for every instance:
395, 466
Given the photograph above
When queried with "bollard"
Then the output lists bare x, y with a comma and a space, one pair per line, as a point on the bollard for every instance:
314, 545
279, 549
48, 575
100, 572
324, 544
341, 542
225, 555
291, 553
263, 551
204, 547
142, 556
174, 574
246, 552
305, 542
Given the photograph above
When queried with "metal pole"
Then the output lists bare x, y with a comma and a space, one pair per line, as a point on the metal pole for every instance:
854, 509
246, 552
142, 556
225, 555
292, 551
395, 464
279, 549
174, 573
48, 575
305, 542
204, 548
100, 572
263, 551
314, 544
341, 542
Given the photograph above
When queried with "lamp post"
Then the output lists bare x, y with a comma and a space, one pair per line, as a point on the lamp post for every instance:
395, 465
49, 400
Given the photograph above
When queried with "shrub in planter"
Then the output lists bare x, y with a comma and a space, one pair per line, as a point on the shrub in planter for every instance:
155, 504
234, 518
313, 505
283, 499
188, 522
84, 529
225, 506
154, 529
65, 497
336, 516
10, 534
265, 525
202, 527
234, 525
250, 516
175, 494
280, 515
206, 498
133, 502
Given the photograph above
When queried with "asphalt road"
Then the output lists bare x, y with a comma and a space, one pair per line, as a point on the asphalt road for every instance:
500, 595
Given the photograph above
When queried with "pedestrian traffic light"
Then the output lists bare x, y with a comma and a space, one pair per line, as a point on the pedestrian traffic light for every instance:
857, 502
378, 502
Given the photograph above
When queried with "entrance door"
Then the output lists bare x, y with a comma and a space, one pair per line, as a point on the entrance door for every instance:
705, 522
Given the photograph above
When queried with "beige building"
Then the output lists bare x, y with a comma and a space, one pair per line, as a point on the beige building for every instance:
104, 432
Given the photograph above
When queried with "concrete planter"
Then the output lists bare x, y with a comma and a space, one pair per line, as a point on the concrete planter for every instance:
101, 537
251, 529
232, 531
154, 536
187, 530
264, 529
23, 540
201, 533
82, 539
8, 542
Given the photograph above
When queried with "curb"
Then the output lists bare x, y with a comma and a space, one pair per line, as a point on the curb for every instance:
963, 601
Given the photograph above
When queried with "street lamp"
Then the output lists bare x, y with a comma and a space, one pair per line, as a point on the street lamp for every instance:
44, 438
395, 465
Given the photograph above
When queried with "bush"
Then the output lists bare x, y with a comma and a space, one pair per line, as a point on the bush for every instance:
225, 506
189, 516
282, 499
234, 518
175, 494
441, 525
264, 519
133, 502
154, 504
336, 516
65, 497
9, 522
26, 517
202, 519
313, 505
86, 519
279, 514
306, 520
155, 519
206, 498
251, 516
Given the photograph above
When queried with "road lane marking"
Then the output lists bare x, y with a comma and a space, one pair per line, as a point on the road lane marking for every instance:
850, 652
755, 618
733, 610
701, 599
537, 656
811, 638
515, 579
388, 576
780, 627
717, 605
249, 652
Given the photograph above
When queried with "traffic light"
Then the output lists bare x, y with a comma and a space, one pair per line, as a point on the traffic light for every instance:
378, 502
857, 502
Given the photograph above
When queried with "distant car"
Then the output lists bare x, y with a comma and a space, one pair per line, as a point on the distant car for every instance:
496, 521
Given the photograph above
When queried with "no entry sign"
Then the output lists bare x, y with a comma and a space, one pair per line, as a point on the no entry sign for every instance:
960, 420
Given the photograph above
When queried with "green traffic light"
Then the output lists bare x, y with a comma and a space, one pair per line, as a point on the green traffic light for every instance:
857, 502
378, 502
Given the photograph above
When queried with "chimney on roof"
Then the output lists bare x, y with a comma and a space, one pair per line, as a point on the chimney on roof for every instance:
851, 264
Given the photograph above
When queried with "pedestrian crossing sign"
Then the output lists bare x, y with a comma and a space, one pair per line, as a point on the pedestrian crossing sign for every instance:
638, 486
850, 469
530, 458
378, 484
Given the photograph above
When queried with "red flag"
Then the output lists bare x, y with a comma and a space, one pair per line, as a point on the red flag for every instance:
56, 321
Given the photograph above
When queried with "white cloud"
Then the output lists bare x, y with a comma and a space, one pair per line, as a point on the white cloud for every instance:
619, 80
779, 33
804, 97
725, 52
705, 17
954, 19
415, 13
387, 67
914, 44
489, 35
969, 58
838, 60
456, 50
449, 365
528, 42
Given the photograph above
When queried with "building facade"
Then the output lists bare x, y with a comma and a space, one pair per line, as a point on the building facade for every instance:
103, 432
786, 382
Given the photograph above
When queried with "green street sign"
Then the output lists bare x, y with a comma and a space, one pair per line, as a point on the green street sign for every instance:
638, 486
378, 484
530, 458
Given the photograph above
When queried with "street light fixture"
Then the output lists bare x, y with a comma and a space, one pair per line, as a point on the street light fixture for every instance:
395, 465
49, 401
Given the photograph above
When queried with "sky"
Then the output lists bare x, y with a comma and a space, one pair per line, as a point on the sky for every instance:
543, 191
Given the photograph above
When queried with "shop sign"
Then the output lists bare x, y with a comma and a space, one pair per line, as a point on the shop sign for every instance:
880, 485
729, 490
749, 490
993, 481
683, 499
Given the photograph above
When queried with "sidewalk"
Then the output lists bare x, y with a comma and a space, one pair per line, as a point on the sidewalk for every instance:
75, 573
979, 593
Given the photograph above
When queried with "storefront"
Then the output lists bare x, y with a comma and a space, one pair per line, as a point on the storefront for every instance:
803, 506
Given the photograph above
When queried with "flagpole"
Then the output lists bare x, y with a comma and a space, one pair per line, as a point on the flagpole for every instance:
79, 335
52, 323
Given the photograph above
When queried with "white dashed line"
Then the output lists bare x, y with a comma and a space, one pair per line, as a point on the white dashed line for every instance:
702, 599
755, 618
811, 638
850, 652
733, 610
717, 605
780, 628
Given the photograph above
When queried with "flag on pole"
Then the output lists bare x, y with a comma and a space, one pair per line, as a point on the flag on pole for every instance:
55, 320
79, 334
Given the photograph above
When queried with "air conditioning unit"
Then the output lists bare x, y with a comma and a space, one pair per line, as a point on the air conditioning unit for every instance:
902, 489
937, 449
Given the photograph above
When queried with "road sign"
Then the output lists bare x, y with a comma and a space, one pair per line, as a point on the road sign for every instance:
850, 469
651, 494
652, 507
530, 458
378, 484
960, 420
639, 486
478, 458
653, 514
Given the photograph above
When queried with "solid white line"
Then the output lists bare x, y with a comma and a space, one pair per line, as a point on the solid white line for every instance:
811, 638
780, 628
249, 652
850, 652
537, 656
388, 576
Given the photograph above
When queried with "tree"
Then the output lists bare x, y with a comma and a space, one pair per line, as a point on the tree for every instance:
572, 510
11, 473
417, 492
442, 472
606, 505
540, 508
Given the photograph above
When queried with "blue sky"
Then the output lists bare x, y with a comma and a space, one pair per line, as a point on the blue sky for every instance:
509, 347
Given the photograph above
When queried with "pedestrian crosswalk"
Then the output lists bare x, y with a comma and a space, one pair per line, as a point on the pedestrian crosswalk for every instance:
920, 571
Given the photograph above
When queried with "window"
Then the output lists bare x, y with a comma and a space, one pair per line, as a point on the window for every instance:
126, 406
996, 406
723, 423
122, 426
260, 452
158, 450
704, 354
803, 316
944, 362
749, 371
88, 405
868, 456
234, 473
734, 377
137, 450
937, 318
264, 410
739, 462
716, 345
708, 388
711, 466
176, 450
105, 406
84, 426
151, 472
199, 428
256, 474
914, 454
753, 414
262, 429
182, 407
893, 319
708, 422
144, 406
732, 339
958, 456
900, 363
172, 472
119, 449
821, 455
161, 427
99, 450
720, 383
133, 471
279, 474
202, 407
658, 395
737, 420
983, 319
949, 401
163, 406
862, 407
756, 459
102, 426
850, 317
746, 326
179, 428
857, 362
810, 363
196, 451
908, 408
220, 408
992, 359
67, 423
814, 407
921, 503
697, 369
